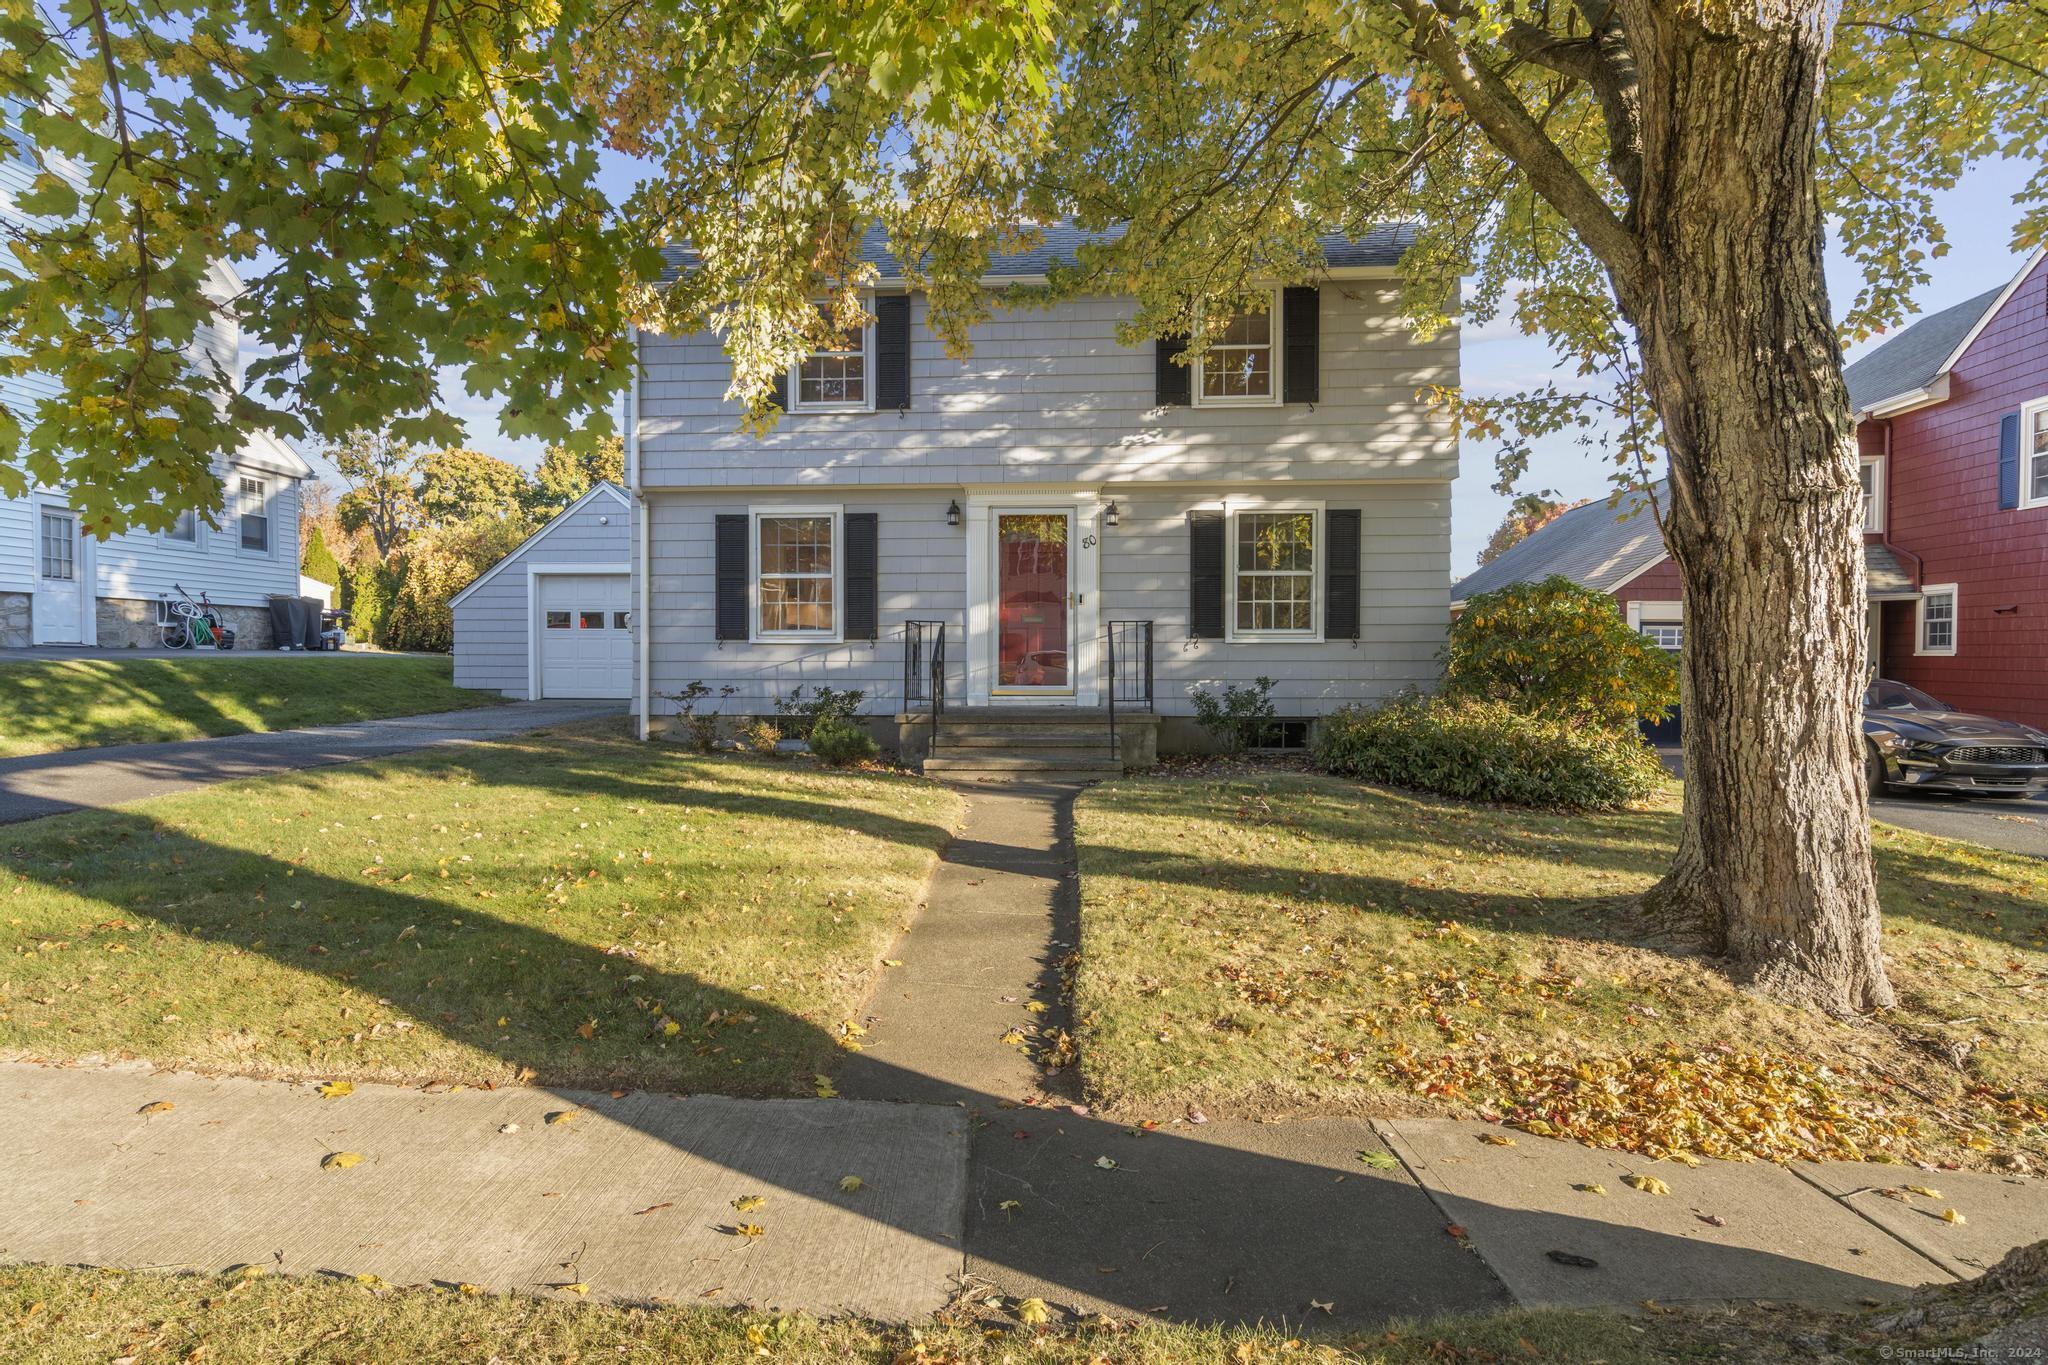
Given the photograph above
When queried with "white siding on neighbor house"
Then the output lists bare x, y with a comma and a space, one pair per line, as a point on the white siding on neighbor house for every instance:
1404, 594
1049, 396
921, 574
493, 631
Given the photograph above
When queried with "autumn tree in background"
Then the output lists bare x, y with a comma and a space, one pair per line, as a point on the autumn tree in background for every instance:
566, 475
316, 561
458, 484
381, 500
1527, 514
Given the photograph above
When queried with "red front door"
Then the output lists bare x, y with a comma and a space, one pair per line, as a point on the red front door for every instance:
1031, 601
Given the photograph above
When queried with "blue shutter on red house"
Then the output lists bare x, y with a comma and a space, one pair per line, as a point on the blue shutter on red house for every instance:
2009, 461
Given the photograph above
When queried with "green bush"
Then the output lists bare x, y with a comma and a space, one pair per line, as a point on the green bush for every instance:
841, 742
1488, 751
1240, 718
799, 713
1556, 649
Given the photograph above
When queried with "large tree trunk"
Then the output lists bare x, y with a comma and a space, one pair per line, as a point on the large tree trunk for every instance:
1740, 355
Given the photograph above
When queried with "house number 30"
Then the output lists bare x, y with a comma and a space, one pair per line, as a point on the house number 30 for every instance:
1087, 542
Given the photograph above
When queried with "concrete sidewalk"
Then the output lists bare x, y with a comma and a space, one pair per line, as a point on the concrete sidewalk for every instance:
49, 784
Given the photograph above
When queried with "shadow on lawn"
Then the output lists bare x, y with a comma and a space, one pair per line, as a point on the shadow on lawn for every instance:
1183, 1227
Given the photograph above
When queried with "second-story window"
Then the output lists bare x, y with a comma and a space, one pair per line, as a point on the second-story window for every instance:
1240, 367
2034, 452
836, 377
1872, 475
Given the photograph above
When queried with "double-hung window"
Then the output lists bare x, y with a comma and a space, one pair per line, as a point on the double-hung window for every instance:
184, 530
796, 577
1872, 476
253, 514
837, 377
1275, 559
2034, 454
1937, 620
1241, 366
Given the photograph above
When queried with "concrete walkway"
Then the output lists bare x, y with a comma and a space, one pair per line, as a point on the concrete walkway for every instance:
48, 784
979, 1169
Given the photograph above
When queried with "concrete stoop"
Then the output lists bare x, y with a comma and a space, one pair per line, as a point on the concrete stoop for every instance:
1018, 743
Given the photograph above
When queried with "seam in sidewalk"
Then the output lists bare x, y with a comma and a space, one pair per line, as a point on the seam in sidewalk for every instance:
1926, 1256
1389, 1140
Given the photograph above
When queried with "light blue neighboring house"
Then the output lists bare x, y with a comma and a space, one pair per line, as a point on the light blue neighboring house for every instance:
59, 586
1055, 524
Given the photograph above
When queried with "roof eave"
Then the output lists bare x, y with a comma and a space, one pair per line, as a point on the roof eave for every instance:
1926, 396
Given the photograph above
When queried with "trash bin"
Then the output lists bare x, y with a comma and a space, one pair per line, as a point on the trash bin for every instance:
288, 621
309, 630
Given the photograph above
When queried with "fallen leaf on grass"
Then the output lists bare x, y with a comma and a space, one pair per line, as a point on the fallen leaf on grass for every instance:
340, 1161
747, 1203
587, 1030
369, 1281
334, 1090
157, 1107
852, 1184
824, 1087
579, 1288
467, 1288
1648, 1184
1033, 1311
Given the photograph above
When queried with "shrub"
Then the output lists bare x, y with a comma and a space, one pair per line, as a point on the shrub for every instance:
761, 736
841, 742
435, 566
1557, 649
700, 726
1241, 718
1488, 751
801, 713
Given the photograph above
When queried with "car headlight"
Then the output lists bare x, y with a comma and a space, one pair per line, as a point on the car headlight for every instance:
1886, 740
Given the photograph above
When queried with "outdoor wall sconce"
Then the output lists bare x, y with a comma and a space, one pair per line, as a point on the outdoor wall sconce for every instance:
953, 512
1110, 515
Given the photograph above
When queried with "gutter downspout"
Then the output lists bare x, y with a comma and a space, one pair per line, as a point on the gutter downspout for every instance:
642, 643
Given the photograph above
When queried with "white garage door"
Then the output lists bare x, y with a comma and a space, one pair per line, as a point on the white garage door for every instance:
586, 636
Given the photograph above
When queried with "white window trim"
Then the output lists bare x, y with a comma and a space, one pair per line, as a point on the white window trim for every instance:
1271, 400
1955, 619
269, 513
1232, 507
198, 541
837, 634
1873, 510
2029, 412
794, 378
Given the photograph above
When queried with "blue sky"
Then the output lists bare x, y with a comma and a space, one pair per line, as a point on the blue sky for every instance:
1979, 213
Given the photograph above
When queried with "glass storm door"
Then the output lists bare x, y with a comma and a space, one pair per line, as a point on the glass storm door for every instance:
1033, 602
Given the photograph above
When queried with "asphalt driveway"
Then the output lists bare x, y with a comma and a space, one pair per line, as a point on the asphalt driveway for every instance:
2014, 826
48, 784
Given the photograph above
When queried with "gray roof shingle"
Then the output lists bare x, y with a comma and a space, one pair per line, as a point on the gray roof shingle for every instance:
1591, 545
1913, 359
1383, 246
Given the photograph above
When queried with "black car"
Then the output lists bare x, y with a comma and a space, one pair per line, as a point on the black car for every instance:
1912, 740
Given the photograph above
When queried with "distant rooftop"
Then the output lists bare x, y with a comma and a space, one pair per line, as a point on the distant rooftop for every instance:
1060, 241
1591, 545
1914, 358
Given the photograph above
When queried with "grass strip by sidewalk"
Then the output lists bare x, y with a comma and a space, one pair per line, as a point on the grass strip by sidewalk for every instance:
580, 907
1292, 942
48, 705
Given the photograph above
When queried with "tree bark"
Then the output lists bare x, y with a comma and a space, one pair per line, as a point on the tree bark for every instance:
1739, 352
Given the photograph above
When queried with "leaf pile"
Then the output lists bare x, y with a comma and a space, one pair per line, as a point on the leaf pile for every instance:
1672, 1103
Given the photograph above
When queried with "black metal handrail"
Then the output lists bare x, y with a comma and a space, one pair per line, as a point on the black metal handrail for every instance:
1129, 656
924, 671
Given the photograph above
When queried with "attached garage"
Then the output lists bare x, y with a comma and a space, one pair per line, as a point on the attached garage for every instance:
555, 617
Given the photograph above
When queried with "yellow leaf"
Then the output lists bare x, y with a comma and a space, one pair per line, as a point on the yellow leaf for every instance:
1648, 1184
340, 1161
823, 1085
579, 1288
670, 1028
852, 1184
1033, 1311
747, 1203
334, 1090
561, 1116
587, 1030
749, 1230
1013, 1038
1591, 1187
156, 1107
1923, 1190
368, 1281
1496, 1139
469, 1288
1951, 1216
1037, 1007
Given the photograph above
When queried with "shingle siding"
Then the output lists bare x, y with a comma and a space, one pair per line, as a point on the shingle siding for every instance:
492, 627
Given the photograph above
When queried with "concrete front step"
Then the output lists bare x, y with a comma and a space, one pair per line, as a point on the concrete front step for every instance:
1096, 763
1001, 775
980, 738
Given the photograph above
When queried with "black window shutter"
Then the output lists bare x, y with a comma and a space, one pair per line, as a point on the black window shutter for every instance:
892, 352
2009, 461
1340, 574
779, 395
1174, 381
1301, 334
1205, 575
731, 595
860, 574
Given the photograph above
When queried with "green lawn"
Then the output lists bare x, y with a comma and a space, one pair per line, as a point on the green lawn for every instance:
598, 911
1300, 943
87, 1317
55, 704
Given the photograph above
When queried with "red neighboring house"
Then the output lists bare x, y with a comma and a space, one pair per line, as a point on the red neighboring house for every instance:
1952, 422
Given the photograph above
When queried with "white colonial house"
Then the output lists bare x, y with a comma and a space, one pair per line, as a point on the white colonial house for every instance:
59, 586
1022, 541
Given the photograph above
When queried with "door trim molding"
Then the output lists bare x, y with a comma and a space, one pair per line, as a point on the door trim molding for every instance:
1084, 572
